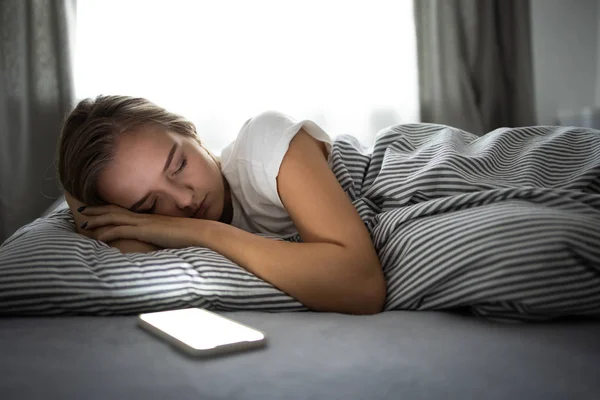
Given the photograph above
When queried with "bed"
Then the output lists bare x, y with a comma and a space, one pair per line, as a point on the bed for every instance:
393, 355
460, 285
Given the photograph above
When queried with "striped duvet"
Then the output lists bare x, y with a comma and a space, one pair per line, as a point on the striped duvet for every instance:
506, 226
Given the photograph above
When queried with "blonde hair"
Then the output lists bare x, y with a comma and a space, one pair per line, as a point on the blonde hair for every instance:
89, 133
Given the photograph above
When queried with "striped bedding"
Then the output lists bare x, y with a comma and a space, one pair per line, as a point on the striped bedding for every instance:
506, 226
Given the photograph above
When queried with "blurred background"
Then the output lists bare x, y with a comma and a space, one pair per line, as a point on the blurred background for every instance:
353, 66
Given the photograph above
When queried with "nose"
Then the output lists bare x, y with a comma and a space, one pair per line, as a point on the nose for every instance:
184, 198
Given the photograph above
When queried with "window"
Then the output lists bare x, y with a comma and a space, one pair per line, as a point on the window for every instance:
350, 66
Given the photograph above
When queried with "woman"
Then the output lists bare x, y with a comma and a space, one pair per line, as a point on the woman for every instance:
138, 178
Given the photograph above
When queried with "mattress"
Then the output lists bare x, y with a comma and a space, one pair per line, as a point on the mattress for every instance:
392, 355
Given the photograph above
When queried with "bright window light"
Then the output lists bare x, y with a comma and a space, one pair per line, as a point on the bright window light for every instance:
350, 66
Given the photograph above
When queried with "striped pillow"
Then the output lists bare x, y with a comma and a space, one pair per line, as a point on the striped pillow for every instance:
48, 268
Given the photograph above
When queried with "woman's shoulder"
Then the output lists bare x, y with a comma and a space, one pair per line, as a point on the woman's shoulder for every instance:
257, 134
265, 124
265, 138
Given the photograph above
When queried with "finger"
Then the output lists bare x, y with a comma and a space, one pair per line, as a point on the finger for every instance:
94, 222
95, 233
119, 232
89, 234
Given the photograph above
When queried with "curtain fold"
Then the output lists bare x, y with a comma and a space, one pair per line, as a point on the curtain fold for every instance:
475, 63
36, 90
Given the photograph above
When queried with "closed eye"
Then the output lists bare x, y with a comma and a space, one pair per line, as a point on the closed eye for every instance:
182, 166
153, 208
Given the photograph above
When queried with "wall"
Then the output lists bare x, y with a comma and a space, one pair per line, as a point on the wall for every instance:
566, 59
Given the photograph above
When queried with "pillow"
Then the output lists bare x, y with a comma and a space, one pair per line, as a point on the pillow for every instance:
46, 267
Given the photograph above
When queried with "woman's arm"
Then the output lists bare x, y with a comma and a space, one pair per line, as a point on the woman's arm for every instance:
336, 268
124, 245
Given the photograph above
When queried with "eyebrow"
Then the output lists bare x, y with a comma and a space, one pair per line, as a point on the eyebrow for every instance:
170, 157
165, 168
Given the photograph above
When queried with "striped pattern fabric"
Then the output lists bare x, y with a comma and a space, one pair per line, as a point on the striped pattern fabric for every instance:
506, 225
47, 268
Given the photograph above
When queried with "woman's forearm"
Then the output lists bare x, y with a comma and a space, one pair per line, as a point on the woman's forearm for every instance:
322, 276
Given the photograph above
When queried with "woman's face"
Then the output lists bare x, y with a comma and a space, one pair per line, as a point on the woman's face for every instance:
162, 172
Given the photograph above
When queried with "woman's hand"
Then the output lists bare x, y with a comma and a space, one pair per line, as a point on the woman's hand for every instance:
74, 205
113, 222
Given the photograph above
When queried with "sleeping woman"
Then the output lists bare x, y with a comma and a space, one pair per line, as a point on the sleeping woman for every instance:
139, 178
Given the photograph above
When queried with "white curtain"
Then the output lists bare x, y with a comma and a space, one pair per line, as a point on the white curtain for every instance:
351, 66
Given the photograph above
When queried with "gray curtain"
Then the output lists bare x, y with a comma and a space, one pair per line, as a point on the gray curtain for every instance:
36, 90
475, 63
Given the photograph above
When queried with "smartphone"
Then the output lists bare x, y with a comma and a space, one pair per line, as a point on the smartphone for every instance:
201, 333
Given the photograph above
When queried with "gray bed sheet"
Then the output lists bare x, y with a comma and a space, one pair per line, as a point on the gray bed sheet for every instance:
393, 355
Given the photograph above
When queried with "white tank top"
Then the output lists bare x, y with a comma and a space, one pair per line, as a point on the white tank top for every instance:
251, 165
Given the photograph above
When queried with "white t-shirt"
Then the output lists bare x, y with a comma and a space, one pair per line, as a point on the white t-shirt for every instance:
251, 165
